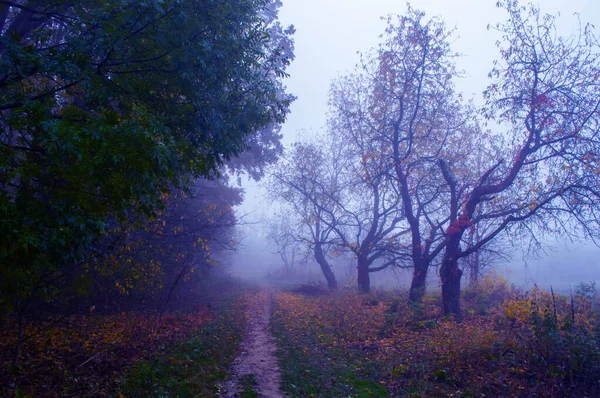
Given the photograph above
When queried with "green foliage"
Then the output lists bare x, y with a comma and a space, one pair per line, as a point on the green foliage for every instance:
556, 335
312, 345
247, 384
106, 106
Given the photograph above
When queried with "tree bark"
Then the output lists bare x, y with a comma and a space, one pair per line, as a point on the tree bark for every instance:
325, 267
451, 275
418, 285
364, 279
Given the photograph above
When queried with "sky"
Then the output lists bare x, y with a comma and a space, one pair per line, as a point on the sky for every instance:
329, 35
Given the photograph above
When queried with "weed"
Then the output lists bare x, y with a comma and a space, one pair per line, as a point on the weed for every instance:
246, 385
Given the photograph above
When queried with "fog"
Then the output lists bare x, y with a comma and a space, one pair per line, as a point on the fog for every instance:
329, 33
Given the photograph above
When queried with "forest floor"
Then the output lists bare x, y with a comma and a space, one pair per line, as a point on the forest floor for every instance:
255, 372
509, 344
128, 354
309, 342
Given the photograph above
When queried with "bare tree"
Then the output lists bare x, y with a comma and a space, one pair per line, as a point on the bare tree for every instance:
544, 177
401, 101
303, 183
349, 204
488, 256
369, 220
284, 237
538, 175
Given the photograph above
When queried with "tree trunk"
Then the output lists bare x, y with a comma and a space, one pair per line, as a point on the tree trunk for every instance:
418, 285
451, 274
21, 322
364, 279
325, 267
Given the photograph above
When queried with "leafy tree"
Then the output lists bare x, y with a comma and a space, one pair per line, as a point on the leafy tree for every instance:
106, 106
170, 259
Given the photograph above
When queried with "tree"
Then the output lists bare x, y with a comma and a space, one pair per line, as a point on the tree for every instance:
106, 107
401, 100
369, 219
544, 178
539, 175
349, 203
487, 257
183, 243
303, 181
282, 234
102, 121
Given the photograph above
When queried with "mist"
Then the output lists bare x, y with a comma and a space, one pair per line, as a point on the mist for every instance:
328, 43
301, 198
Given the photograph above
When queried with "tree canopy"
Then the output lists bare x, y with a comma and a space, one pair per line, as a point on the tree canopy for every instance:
107, 106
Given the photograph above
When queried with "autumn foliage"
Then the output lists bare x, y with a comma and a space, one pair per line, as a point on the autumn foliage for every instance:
524, 344
88, 355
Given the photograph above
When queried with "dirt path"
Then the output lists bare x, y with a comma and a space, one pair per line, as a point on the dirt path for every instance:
256, 366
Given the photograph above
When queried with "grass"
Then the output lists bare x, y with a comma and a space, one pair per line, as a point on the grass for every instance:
196, 367
128, 354
246, 385
509, 344
85, 355
316, 357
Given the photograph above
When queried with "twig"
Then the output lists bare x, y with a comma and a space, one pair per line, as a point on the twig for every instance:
90, 359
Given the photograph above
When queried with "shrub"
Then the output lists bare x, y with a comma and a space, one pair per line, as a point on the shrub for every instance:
556, 335
311, 289
489, 293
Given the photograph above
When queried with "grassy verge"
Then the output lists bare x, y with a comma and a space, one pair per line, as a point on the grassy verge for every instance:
316, 358
195, 367
246, 385
85, 355
523, 344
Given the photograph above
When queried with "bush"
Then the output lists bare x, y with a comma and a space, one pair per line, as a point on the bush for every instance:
556, 335
311, 289
489, 293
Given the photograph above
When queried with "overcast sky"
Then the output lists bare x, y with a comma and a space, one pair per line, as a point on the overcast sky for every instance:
329, 33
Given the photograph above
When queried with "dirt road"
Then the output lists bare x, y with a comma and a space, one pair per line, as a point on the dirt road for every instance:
256, 366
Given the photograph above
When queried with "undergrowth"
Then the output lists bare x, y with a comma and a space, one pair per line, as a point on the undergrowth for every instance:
85, 355
246, 385
510, 343
195, 367
126, 354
